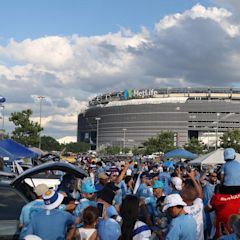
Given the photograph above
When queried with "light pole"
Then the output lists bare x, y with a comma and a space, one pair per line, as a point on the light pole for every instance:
216, 145
97, 119
124, 137
41, 98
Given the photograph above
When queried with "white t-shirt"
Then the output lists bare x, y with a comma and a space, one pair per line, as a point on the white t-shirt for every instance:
196, 210
86, 233
141, 231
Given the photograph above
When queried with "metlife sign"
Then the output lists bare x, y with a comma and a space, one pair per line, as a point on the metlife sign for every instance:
125, 95
132, 93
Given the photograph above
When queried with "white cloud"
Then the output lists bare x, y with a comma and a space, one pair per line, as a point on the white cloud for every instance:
218, 15
67, 139
199, 47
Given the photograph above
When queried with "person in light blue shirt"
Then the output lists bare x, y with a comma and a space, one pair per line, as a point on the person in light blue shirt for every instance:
208, 187
108, 226
108, 229
165, 177
182, 226
99, 169
88, 198
52, 223
129, 184
231, 169
31, 208
143, 190
151, 201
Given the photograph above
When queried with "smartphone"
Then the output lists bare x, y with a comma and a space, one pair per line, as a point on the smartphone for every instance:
100, 209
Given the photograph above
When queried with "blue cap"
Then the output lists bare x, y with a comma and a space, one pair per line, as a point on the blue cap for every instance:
145, 175
109, 229
229, 154
158, 184
111, 211
88, 187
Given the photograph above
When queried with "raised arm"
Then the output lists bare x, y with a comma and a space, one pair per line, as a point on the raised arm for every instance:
122, 175
196, 185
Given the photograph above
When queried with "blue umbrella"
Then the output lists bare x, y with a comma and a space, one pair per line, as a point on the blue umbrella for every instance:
2, 99
179, 153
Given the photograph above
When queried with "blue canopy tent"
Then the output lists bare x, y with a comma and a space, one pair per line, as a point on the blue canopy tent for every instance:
17, 150
169, 164
179, 153
4, 153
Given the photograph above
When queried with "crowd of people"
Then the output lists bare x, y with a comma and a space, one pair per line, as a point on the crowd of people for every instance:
125, 200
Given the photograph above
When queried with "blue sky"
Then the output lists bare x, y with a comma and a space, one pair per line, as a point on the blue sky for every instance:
21, 19
70, 51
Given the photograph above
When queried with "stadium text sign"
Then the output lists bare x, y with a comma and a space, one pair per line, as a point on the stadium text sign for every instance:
132, 93
144, 93
125, 95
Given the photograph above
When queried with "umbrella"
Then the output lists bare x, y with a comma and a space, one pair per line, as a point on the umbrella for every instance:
2, 99
179, 153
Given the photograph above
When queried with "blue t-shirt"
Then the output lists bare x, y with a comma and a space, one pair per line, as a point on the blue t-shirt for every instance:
229, 237
111, 211
108, 229
231, 171
182, 227
208, 191
151, 203
166, 179
143, 191
50, 225
82, 205
27, 211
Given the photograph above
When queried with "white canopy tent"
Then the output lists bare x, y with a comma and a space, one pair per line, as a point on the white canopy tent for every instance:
212, 158
37, 150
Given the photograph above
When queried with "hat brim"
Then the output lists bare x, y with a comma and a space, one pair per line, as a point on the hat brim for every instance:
91, 191
167, 206
56, 204
104, 177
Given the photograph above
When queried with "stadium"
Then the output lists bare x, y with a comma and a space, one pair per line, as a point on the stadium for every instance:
128, 118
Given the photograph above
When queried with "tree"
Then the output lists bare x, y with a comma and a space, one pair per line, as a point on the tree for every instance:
194, 146
112, 150
77, 147
231, 139
138, 150
26, 131
50, 144
163, 142
126, 150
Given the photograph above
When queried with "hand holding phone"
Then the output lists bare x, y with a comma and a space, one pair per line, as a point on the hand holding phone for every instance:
100, 209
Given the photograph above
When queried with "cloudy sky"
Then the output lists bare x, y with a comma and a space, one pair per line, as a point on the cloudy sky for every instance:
71, 50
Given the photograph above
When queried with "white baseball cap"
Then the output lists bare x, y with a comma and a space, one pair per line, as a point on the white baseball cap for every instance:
173, 200
177, 182
40, 189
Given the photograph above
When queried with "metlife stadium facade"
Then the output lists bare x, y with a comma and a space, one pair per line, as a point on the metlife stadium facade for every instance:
128, 118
